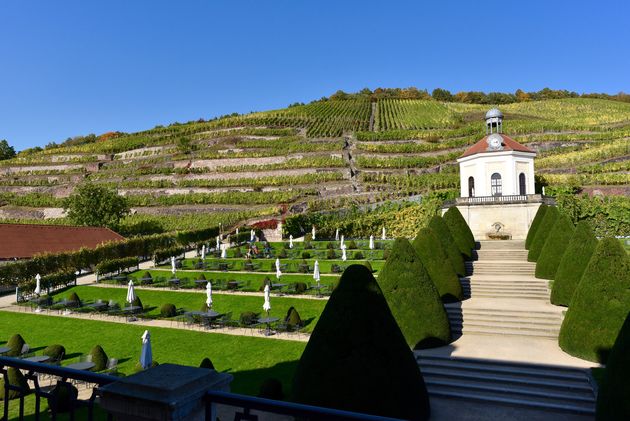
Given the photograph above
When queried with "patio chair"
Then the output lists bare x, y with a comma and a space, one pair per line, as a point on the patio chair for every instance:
224, 321
25, 351
112, 366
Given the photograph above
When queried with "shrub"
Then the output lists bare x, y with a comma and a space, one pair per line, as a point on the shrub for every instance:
201, 277
442, 232
206, 363
137, 303
282, 254
546, 225
358, 255
63, 399
614, 389
73, 297
335, 268
149, 278
55, 352
248, 317
238, 253
15, 344
413, 298
99, 358
300, 287
271, 389
16, 378
531, 233
460, 231
306, 255
352, 245
330, 245
303, 267
600, 304
368, 265
292, 318
265, 281
573, 264
357, 359
330, 254
429, 248
307, 245
168, 310
554, 248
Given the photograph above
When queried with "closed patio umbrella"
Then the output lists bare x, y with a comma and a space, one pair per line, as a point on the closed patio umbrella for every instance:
209, 295
342, 245
371, 242
278, 272
252, 236
267, 304
131, 293
337, 234
218, 242
173, 268
343, 254
223, 252
290, 241
146, 356
38, 287
203, 252
316, 271
383, 236
313, 232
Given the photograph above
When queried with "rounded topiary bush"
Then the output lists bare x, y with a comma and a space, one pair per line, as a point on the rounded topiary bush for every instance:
330, 254
206, 363
300, 287
413, 299
546, 225
358, 255
573, 264
531, 233
554, 248
55, 352
168, 310
460, 231
63, 399
137, 303
352, 245
429, 248
15, 344
292, 318
99, 358
248, 318
16, 378
614, 389
271, 389
600, 304
306, 255
440, 229
357, 358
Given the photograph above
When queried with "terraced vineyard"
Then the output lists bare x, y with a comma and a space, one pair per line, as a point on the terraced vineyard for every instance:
319, 156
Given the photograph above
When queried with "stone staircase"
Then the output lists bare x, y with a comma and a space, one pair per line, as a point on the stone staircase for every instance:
552, 388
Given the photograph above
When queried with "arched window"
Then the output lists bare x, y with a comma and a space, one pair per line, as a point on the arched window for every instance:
471, 187
495, 184
522, 185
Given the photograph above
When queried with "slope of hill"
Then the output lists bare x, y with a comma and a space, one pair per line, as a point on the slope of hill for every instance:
321, 155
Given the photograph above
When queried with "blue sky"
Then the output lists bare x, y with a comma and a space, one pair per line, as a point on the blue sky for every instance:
77, 67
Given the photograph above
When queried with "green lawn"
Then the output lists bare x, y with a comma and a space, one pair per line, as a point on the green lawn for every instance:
152, 300
249, 359
322, 245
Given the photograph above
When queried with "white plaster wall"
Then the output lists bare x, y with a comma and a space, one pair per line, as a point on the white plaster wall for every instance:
516, 218
508, 163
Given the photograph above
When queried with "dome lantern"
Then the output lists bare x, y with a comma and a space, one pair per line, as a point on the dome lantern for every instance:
494, 121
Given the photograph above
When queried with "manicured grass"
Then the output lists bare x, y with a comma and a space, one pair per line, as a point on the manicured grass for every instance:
380, 245
152, 300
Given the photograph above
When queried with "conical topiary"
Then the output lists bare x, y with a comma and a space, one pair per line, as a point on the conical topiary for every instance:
16, 378
15, 344
413, 299
554, 248
357, 359
531, 233
440, 229
613, 401
600, 304
460, 231
137, 303
293, 319
74, 298
435, 261
551, 214
573, 264
99, 358
206, 363
55, 352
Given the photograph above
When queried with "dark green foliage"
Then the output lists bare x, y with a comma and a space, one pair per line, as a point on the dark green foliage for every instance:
271, 389
96, 206
201, 277
148, 278
16, 343
248, 318
137, 302
55, 352
600, 304
307, 245
74, 298
303, 267
442, 232
306, 255
16, 378
282, 254
204, 307
531, 233
358, 255
65, 396
413, 299
554, 248
293, 319
265, 281
573, 264
237, 252
433, 257
330, 245
300, 287
99, 358
357, 358
613, 401
460, 231
6, 151
168, 310
206, 363
551, 214
330, 254
368, 265
352, 245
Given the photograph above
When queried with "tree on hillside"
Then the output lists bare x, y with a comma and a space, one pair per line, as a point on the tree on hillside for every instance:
357, 358
6, 151
96, 206
443, 95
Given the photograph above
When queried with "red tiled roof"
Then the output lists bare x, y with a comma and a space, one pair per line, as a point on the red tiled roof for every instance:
509, 144
23, 241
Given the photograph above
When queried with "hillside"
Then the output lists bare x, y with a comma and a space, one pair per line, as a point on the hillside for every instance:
321, 155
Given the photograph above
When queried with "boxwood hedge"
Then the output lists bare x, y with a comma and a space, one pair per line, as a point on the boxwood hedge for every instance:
554, 248
551, 214
460, 231
440, 229
531, 233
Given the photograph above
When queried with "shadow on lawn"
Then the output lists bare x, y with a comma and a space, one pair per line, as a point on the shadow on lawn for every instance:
248, 382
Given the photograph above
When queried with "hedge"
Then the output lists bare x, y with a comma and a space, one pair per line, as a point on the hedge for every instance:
614, 389
600, 304
116, 265
433, 256
533, 228
15, 378
460, 231
15, 345
99, 358
413, 298
440, 229
554, 248
357, 358
49, 282
551, 214
573, 264
166, 253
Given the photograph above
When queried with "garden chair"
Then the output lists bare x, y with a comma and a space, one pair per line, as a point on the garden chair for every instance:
112, 366
225, 321
25, 351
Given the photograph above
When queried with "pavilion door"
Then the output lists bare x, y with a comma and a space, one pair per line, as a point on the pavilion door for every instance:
471, 187
522, 186
496, 187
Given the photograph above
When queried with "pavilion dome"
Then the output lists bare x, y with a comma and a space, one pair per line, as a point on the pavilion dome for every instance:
494, 112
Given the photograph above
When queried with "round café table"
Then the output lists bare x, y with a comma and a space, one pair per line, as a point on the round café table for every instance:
83, 365
4, 350
38, 359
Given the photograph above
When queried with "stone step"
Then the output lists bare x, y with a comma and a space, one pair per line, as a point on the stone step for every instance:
502, 326
503, 319
454, 307
507, 290
511, 295
538, 386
